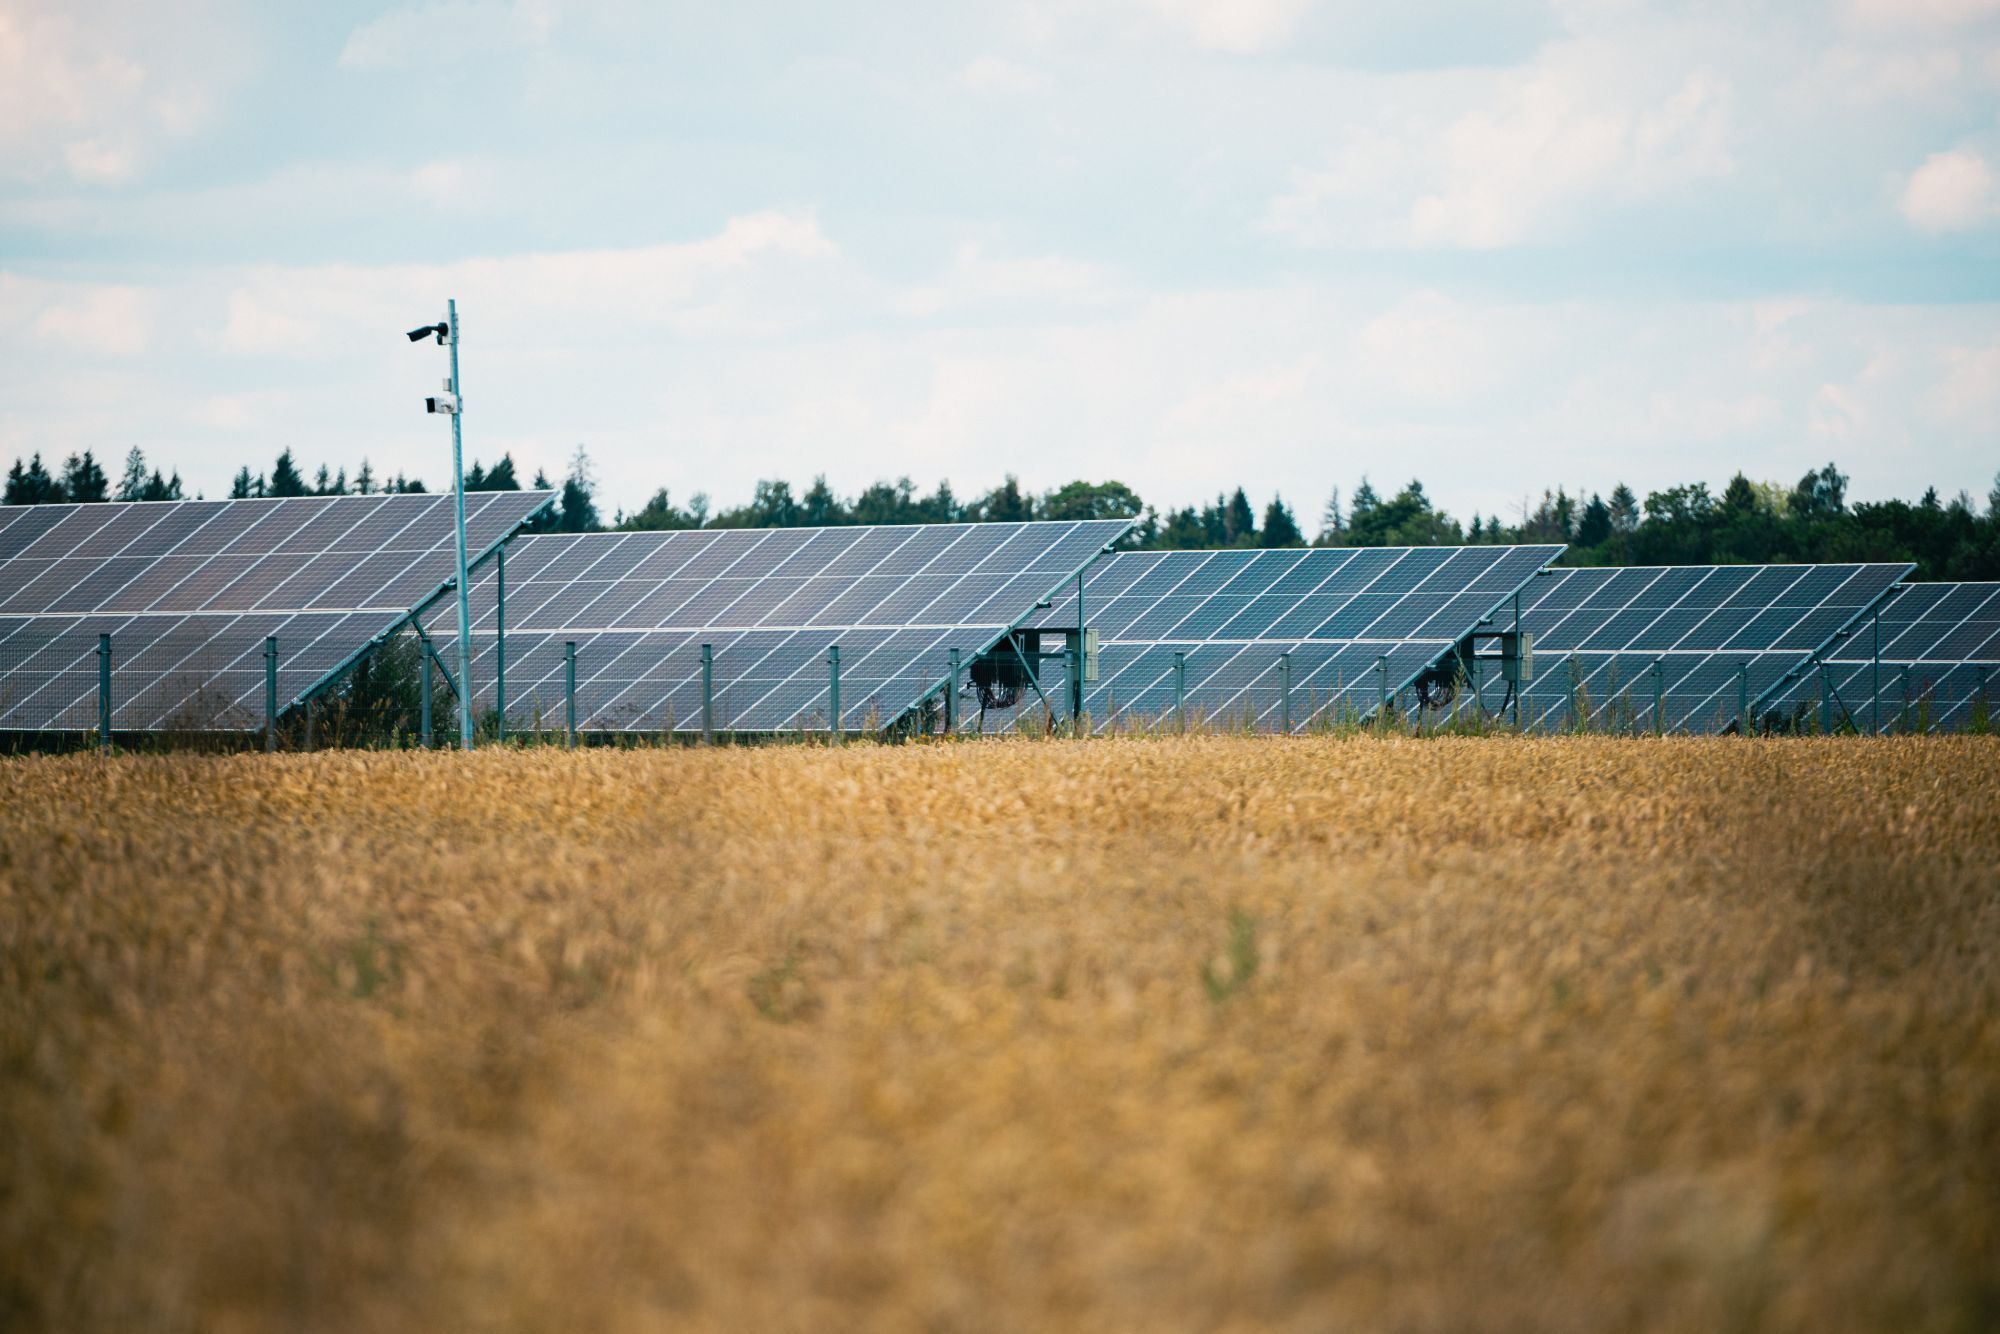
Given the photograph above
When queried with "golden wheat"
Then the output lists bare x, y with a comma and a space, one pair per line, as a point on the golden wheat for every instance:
1216, 1033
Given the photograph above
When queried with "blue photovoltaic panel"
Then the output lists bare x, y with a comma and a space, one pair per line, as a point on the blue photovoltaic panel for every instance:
769, 602
189, 590
1700, 638
1940, 662
1357, 623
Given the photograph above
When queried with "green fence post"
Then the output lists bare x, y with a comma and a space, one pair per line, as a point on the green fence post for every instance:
1659, 699
708, 694
1180, 691
951, 698
1908, 720
1743, 699
500, 644
104, 694
1575, 723
833, 732
1285, 693
1382, 688
271, 693
1825, 701
569, 692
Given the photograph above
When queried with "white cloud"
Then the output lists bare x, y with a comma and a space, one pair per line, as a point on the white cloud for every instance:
1241, 27
421, 35
99, 320
993, 74
1952, 191
1905, 14
1548, 143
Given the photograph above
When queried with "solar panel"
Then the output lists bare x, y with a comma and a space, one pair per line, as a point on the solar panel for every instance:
1940, 660
1686, 647
189, 590
769, 603
1359, 625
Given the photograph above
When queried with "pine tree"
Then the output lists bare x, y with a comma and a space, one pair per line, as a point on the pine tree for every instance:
1594, 528
132, 485
83, 482
1333, 522
364, 479
500, 477
161, 488
1280, 528
1365, 501
239, 487
1239, 521
1624, 510
579, 490
286, 479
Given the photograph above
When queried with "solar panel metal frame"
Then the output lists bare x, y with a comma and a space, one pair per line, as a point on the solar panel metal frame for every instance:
559, 572
1737, 588
158, 514
1319, 598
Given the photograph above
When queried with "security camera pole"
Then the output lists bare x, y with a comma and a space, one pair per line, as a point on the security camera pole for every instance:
450, 402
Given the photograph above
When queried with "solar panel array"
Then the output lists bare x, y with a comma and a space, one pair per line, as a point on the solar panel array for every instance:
769, 603
1715, 635
189, 591
1940, 661
1359, 624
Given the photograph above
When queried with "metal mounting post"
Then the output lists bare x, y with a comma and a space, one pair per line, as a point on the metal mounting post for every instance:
104, 694
424, 709
1825, 701
951, 698
1908, 721
1285, 693
833, 732
1514, 688
500, 642
1382, 688
458, 502
708, 694
1180, 690
1743, 699
271, 694
1875, 709
1659, 699
1076, 663
569, 692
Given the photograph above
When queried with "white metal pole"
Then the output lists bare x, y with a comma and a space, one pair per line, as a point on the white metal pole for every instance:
458, 501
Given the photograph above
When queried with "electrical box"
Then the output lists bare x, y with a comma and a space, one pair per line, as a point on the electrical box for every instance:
1090, 655
1517, 657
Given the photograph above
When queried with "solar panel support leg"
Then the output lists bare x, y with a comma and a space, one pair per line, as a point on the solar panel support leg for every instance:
708, 694
1180, 691
1513, 687
1743, 699
833, 732
1285, 693
1825, 702
500, 642
1659, 699
1875, 709
569, 694
271, 694
104, 694
425, 709
951, 698
1076, 664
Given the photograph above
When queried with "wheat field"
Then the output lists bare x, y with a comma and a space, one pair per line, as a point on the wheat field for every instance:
1196, 1034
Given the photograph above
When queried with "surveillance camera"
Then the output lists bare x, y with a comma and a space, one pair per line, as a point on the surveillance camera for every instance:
445, 403
439, 330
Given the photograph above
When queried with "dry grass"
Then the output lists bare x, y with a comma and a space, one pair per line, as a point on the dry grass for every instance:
1559, 1034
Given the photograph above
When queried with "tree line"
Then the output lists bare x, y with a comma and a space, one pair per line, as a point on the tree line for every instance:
1747, 523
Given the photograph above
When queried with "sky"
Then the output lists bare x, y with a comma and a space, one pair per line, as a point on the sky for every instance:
1499, 245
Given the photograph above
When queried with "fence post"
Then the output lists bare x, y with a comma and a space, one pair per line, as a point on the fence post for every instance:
569, 694
1909, 721
1825, 701
951, 698
1659, 700
834, 734
104, 694
708, 694
1382, 688
1575, 723
271, 694
500, 645
1285, 693
425, 737
1743, 699
1180, 690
